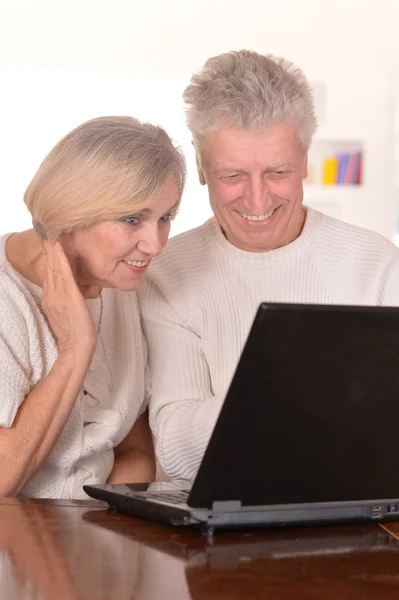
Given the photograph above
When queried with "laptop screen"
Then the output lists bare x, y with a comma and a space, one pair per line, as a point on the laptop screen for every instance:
312, 413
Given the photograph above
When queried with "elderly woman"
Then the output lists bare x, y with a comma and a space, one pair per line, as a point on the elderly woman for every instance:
72, 353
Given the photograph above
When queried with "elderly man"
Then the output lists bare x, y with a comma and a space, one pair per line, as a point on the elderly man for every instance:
252, 121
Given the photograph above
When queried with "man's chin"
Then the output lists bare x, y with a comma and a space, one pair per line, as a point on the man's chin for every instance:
254, 239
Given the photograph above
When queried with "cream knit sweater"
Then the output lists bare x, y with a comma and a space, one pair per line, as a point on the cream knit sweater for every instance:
115, 381
200, 299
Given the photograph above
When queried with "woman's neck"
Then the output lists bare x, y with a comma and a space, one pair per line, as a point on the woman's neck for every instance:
25, 253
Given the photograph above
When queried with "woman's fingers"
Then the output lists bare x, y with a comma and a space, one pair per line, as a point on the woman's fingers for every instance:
66, 309
61, 264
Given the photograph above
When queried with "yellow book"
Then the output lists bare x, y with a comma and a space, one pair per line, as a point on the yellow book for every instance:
330, 171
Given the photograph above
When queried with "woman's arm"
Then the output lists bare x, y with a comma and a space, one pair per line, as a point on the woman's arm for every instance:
135, 457
38, 423
28, 442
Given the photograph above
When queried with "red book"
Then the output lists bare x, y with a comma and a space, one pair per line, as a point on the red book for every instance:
359, 169
349, 175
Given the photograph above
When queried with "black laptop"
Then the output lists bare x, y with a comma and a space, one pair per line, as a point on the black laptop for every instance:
308, 432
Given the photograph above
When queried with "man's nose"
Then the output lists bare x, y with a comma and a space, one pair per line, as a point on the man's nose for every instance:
257, 195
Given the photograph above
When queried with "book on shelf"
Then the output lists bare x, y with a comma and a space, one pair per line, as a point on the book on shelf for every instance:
330, 171
342, 169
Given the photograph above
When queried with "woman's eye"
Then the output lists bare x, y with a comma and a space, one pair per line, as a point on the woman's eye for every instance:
166, 218
131, 220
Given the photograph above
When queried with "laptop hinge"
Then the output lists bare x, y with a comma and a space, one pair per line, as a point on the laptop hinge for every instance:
226, 506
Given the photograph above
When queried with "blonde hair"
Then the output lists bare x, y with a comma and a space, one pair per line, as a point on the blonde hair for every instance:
106, 168
249, 90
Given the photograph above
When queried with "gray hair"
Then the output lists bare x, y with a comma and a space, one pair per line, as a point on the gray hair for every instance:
106, 168
251, 91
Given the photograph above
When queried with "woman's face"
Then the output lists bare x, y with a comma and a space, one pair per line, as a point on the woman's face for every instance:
116, 254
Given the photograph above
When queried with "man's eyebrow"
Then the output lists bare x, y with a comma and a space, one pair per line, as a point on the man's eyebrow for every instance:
277, 165
230, 170
282, 163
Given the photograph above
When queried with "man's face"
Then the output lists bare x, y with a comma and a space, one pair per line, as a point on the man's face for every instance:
254, 180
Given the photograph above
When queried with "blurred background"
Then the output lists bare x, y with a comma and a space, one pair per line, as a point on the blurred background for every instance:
65, 61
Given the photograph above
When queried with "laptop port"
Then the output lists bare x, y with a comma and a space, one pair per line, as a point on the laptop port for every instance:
393, 509
376, 512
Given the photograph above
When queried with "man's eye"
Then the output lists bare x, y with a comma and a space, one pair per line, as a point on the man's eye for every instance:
231, 177
280, 174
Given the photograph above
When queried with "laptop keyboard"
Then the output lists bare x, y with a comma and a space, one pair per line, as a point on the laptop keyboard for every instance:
178, 497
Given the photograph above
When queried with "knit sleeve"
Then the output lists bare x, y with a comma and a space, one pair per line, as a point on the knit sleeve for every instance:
183, 408
14, 361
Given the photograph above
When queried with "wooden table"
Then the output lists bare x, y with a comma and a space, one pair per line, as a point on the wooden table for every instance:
66, 550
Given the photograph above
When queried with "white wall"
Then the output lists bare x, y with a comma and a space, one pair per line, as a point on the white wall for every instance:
64, 62
324, 37
64, 98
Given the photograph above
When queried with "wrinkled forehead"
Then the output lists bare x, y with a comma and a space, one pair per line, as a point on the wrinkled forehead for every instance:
229, 147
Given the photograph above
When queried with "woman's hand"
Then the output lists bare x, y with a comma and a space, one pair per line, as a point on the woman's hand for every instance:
67, 312
43, 414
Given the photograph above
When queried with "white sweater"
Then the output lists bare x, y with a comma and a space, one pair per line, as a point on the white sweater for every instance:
115, 381
199, 301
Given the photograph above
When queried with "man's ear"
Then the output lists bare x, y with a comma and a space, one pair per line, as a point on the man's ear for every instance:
201, 175
200, 171
305, 167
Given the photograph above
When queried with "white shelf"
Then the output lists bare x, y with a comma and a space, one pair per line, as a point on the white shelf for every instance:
331, 192
334, 200
331, 148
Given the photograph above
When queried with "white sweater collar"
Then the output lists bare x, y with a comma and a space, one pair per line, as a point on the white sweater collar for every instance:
300, 245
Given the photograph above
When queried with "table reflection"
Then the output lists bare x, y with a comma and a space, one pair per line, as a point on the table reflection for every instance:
327, 562
49, 553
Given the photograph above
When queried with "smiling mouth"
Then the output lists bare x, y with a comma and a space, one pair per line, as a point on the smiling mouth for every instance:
257, 218
139, 264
